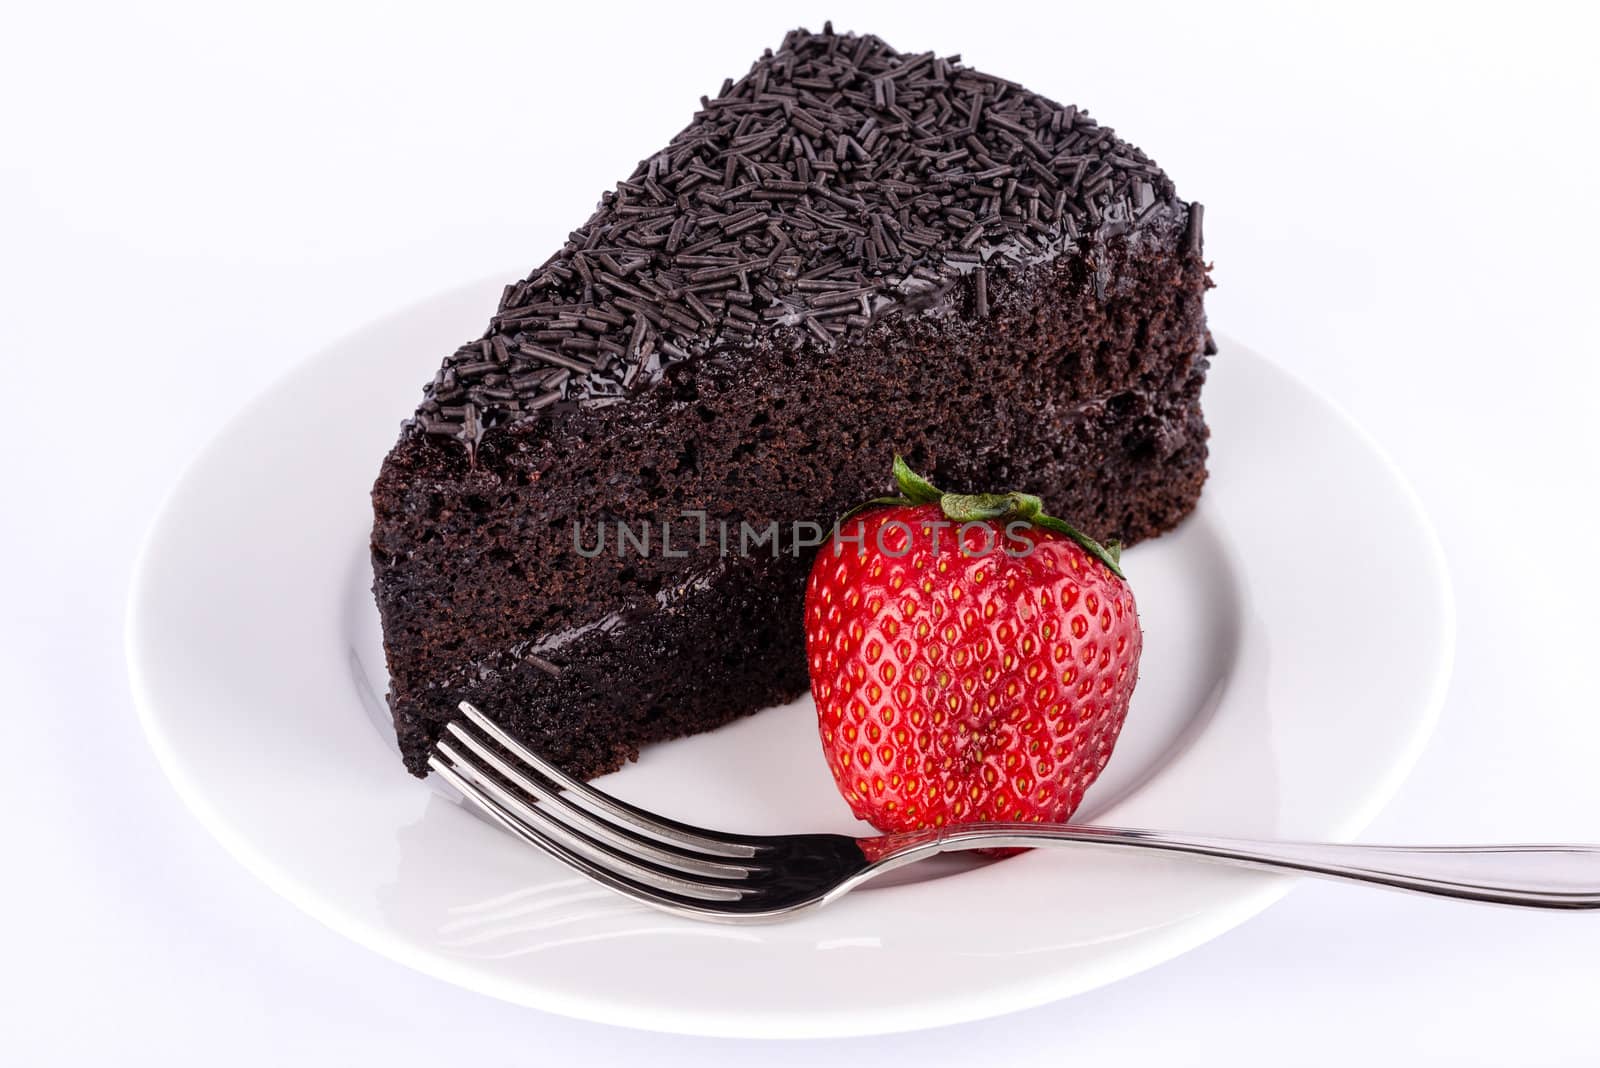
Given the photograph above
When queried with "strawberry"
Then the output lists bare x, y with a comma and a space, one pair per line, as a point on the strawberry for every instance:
971, 658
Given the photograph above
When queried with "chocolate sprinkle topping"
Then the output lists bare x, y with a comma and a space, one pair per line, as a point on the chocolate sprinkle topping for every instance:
837, 183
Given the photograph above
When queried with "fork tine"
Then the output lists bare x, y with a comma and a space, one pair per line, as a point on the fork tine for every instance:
682, 834
620, 836
613, 867
637, 892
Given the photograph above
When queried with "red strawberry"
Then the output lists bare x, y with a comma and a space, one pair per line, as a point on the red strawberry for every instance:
971, 658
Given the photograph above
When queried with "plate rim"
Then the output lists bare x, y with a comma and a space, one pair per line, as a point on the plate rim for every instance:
1179, 938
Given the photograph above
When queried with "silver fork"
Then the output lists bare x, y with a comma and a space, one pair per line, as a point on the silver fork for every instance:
741, 878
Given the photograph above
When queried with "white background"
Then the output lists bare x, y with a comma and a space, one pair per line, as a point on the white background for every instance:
1401, 206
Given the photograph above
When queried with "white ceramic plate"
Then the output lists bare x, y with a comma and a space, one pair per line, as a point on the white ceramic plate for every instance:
1298, 633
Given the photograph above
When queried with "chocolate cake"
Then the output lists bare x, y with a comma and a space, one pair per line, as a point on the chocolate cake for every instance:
597, 524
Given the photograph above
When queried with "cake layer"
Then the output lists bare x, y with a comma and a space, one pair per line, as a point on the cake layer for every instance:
837, 185
726, 638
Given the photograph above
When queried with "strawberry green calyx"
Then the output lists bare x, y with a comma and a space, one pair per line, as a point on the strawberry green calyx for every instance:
913, 486
966, 507
998, 507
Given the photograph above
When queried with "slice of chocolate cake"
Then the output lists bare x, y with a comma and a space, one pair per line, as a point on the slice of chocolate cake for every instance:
589, 527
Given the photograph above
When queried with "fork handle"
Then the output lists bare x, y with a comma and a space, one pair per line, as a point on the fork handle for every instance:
1532, 876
